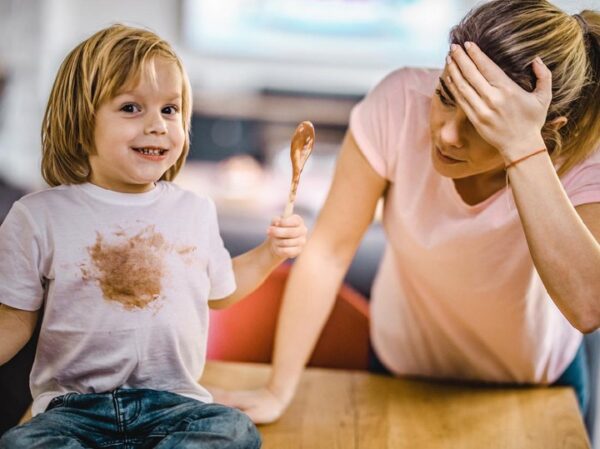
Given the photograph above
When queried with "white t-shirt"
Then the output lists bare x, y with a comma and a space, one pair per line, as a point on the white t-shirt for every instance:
125, 281
457, 294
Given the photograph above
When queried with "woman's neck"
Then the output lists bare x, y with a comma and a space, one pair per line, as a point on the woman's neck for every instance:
478, 188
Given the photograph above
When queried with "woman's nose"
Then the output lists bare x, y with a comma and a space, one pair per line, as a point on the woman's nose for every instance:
451, 133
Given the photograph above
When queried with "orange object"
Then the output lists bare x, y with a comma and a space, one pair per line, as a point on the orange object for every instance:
245, 332
513, 163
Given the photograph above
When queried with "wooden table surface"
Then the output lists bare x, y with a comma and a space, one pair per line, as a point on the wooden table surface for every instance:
356, 410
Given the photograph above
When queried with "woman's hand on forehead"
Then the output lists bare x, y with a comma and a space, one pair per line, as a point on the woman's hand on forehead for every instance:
503, 113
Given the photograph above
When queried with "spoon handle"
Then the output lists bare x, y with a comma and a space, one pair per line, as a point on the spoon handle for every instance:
289, 207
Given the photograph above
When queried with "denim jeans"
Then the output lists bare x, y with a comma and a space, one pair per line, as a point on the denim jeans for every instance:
134, 419
575, 376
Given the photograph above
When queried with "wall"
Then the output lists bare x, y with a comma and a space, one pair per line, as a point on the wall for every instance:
35, 35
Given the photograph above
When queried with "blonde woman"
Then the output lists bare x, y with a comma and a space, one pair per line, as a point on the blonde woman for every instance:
490, 176
124, 263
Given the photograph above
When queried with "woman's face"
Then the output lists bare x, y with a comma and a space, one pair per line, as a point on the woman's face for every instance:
457, 150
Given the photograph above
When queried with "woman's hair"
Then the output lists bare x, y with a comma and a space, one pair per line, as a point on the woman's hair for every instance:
513, 32
94, 72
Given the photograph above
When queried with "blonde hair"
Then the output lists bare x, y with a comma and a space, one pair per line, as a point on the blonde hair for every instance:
92, 73
513, 32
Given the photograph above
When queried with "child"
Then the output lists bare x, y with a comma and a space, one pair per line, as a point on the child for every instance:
124, 262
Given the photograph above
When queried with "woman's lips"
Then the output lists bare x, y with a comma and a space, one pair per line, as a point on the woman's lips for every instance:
446, 159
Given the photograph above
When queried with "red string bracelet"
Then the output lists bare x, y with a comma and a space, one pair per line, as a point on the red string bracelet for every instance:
541, 150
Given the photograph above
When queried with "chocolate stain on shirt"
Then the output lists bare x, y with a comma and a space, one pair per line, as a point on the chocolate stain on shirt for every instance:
187, 253
129, 271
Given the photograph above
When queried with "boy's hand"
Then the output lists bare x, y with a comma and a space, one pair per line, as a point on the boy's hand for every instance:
286, 236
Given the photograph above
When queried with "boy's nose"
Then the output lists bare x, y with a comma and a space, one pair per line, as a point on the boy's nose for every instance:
156, 125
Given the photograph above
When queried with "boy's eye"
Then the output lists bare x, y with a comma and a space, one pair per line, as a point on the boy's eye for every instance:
443, 99
170, 110
130, 108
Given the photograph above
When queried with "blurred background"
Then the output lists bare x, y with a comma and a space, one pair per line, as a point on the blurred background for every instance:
257, 68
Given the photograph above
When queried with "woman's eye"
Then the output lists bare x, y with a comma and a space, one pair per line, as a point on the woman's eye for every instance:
130, 108
442, 98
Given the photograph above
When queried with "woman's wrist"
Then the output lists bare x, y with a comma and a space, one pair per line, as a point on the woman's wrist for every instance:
522, 149
524, 158
284, 392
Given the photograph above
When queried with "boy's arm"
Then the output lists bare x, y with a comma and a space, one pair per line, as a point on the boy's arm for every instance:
16, 328
286, 238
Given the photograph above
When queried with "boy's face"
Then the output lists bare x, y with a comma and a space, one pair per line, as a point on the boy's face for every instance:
139, 133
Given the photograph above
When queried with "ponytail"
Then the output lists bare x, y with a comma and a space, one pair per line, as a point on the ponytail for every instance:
581, 136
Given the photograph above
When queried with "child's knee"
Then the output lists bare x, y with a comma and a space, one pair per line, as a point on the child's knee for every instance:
15, 439
243, 434
249, 438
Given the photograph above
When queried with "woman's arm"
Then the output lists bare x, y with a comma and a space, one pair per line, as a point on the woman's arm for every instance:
16, 328
286, 238
314, 281
563, 241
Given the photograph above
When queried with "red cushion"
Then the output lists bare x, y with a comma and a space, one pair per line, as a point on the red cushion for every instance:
245, 331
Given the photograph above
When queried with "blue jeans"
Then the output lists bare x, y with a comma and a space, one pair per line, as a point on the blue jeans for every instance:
134, 419
575, 376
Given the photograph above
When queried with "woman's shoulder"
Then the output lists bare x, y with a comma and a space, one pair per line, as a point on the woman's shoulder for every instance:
582, 182
590, 163
410, 79
403, 90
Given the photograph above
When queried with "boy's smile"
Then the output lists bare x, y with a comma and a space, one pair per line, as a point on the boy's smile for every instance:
139, 134
152, 153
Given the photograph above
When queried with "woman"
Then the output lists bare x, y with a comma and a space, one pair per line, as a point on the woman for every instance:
491, 182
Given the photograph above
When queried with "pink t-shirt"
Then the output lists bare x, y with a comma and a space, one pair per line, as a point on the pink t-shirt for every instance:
457, 294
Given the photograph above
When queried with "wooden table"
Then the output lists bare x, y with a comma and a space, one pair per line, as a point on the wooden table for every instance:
337, 409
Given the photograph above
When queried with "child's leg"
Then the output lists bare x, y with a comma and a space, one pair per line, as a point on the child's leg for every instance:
208, 426
72, 421
42, 436
134, 418
50, 430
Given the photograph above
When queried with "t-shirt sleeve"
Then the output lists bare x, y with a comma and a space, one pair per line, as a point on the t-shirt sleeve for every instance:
21, 253
582, 183
220, 268
376, 120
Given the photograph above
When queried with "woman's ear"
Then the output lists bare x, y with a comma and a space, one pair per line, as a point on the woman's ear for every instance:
558, 122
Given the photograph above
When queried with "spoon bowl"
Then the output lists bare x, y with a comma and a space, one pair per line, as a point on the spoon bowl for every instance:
300, 149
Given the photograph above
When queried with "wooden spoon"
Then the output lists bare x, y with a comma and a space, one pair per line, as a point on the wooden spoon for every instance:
300, 148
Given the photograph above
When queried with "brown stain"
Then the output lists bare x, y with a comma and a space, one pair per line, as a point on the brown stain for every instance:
186, 250
187, 254
131, 270
86, 276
